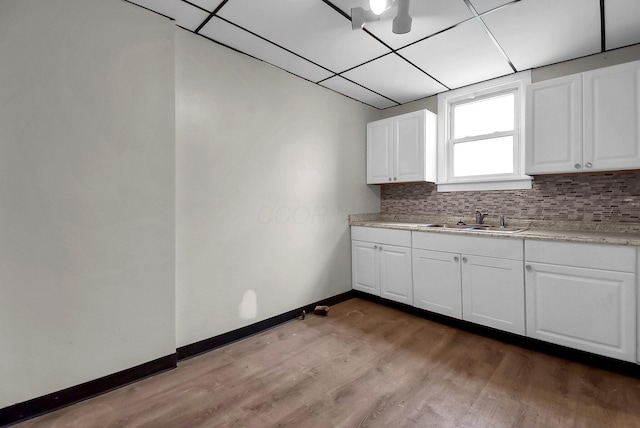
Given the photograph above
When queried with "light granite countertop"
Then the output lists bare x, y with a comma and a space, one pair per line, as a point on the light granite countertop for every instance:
615, 233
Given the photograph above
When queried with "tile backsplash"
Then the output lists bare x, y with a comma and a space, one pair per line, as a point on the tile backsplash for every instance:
583, 197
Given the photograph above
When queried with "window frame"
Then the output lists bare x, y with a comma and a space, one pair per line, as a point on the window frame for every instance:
447, 182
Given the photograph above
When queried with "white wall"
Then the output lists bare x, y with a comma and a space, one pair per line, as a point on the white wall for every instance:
86, 192
268, 168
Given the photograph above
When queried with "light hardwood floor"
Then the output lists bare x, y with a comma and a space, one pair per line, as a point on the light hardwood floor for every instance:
366, 365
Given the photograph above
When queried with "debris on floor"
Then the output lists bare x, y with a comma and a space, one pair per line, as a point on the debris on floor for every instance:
321, 310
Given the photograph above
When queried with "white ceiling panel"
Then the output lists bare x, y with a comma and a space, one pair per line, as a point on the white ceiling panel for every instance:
534, 33
184, 14
395, 78
309, 28
459, 57
428, 17
210, 5
359, 93
483, 6
448, 46
237, 38
622, 23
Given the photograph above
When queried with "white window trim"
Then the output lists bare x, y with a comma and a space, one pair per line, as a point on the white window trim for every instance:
518, 179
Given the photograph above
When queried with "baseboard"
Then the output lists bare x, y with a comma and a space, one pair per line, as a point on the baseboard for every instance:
56, 400
606, 363
197, 348
50, 402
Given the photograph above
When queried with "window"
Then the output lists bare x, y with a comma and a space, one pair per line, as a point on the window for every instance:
481, 138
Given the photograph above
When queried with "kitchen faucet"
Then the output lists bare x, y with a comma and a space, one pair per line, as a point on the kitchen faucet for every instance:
479, 217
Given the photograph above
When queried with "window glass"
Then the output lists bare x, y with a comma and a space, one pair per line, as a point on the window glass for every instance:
483, 157
484, 116
481, 136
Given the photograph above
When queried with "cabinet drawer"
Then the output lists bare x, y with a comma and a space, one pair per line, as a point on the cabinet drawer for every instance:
504, 248
595, 256
401, 238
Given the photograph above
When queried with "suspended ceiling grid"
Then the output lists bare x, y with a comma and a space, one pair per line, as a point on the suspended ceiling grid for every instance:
453, 43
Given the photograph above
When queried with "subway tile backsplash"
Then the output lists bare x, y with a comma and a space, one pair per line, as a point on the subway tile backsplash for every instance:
584, 197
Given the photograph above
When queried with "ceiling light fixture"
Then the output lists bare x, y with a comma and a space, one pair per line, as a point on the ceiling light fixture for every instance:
401, 23
378, 7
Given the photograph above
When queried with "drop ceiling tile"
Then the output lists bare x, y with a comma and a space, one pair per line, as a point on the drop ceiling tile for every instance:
311, 29
483, 6
541, 32
356, 92
395, 78
239, 39
428, 17
459, 57
184, 14
209, 5
622, 23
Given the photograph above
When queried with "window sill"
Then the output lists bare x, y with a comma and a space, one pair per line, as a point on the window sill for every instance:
497, 184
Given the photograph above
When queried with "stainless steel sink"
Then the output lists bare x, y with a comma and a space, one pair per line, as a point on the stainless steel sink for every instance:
506, 229
473, 227
452, 225
455, 226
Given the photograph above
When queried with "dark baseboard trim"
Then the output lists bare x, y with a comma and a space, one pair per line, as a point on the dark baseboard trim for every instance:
38, 406
50, 402
197, 348
611, 364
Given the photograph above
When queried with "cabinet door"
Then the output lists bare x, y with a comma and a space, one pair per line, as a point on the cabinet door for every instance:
395, 273
380, 151
363, 267
587, 309
409, 156
612, 118
437, 282
493, 292
554, 126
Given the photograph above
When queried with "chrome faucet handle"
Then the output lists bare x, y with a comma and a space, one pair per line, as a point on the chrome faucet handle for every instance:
480, 217
502, 222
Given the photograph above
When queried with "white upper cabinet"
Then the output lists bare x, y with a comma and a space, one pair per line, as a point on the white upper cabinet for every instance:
584, 122
612, 117
554, 126
402, 149
379, 151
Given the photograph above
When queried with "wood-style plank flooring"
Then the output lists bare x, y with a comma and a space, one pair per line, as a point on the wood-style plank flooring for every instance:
366, 365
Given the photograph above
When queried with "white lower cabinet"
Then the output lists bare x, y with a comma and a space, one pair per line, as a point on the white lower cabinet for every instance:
579, 295
381, 263
364, 271
493, 292
478, 279
437, 282
395, 273
582, 296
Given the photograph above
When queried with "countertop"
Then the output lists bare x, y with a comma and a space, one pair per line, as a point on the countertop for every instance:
615, 233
